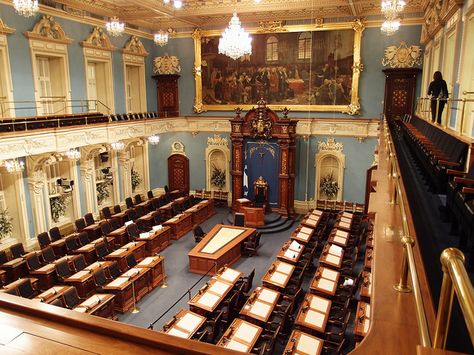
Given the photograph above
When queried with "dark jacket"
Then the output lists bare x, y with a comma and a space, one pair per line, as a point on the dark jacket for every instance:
438, 88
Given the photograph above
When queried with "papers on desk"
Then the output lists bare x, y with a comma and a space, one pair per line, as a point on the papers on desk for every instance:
91, 302
290, 254
260, 309
335, 250
306, 230
332, 259
118, 282
329, 274
208, 300
189, 322
268, 296
145, 235
80, 274
132, 272
177, 333
307, 344
319, 303
278, 278
230, 275
235, 345
295, 246
219, 288
325, 284
80, 309
246, 332
157, 228
128, 223
284, 268
314, 318
147, 261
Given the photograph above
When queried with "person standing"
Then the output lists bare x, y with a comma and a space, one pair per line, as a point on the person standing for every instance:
438, 90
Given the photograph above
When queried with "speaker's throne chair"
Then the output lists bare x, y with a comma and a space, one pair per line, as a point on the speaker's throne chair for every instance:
260, 187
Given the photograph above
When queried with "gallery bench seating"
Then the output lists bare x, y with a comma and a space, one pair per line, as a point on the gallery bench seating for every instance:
435, 149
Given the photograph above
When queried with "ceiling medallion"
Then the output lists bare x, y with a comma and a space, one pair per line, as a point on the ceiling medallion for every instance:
235, 42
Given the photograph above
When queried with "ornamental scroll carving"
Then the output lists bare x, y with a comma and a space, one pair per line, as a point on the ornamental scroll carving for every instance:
135, 47
403, 56
262, 124
166, 65
48, 29
217, 140
98, 39
330, 146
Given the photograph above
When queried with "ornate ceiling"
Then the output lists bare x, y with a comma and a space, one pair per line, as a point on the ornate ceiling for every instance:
154, 14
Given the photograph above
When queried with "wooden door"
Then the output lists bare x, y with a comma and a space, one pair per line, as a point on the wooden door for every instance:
178, 173
400, 86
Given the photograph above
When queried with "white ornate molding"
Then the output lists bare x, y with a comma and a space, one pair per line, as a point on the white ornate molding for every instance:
47, 29
403, 56
98, 39
217, 141
82, 136
177, 147
330, 146
166, 65
135, 47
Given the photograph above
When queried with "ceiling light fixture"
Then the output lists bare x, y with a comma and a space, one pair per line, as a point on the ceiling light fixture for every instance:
73, 154
391, 9
235, 42
161, 38
389, 27
114, 27
26, 8
154, 139
14, 165
178, 4
117, 145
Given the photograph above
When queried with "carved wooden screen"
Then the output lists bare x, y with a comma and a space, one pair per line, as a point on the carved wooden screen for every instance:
178, 172
400, 86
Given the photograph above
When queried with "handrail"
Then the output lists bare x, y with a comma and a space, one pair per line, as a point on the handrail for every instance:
408, 262
455, 273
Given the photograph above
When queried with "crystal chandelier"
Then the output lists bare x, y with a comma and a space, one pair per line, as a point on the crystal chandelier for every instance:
114, 27
154, 139
73, 154
14, 165
26, 8
235, 42
178, 4
117, 145
389, 27
392, 8
161, 38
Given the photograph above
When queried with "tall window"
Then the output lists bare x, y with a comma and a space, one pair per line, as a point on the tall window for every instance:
304, 46
44, 80
272, 49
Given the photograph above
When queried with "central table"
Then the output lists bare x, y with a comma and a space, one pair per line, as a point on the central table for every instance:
220, 247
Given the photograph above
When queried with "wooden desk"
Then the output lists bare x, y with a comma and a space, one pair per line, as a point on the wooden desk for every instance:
209, 296
148, 219
83, 282
240, 336
141, 279
167, 210
121, 287
291, 251
304, 235
254, 216
15, 269
52, 294
93, 231
184, 324
325, 281
221, 246
120, 236
199, 213
88, 251
311, 221
343, 223
180, 225
331, 256
156, 264
59, 247
122, 216
278, 275
304, 344
260, 305
368, 259
46, 276
156, 241
362, 320
120, 255
240, 203
366, 286
313, 313
138, 249
100, 305
339, 237
209, 207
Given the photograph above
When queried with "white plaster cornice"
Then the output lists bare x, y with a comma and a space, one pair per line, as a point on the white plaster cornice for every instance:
60, 140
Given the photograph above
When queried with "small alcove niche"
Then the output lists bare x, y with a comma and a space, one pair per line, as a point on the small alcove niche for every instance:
217, 159
330, 162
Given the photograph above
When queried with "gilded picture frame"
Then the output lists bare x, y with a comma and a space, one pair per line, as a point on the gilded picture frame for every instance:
312, 67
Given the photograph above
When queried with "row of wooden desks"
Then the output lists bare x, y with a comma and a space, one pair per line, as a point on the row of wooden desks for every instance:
332, 256
260, 305
156, 240
180, 225
325, 281
120, 255
301, 343
313, 313
339, 237
291, 251
240, 336
184, 324
362, 320
303, 235
214, 291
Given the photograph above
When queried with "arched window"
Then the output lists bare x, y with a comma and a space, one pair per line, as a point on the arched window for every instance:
304, 46
272, 49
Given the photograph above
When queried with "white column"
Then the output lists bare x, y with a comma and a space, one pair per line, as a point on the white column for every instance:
37, 187
124, 159
88, 179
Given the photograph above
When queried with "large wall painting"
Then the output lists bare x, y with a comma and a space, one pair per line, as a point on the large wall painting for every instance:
313, 67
